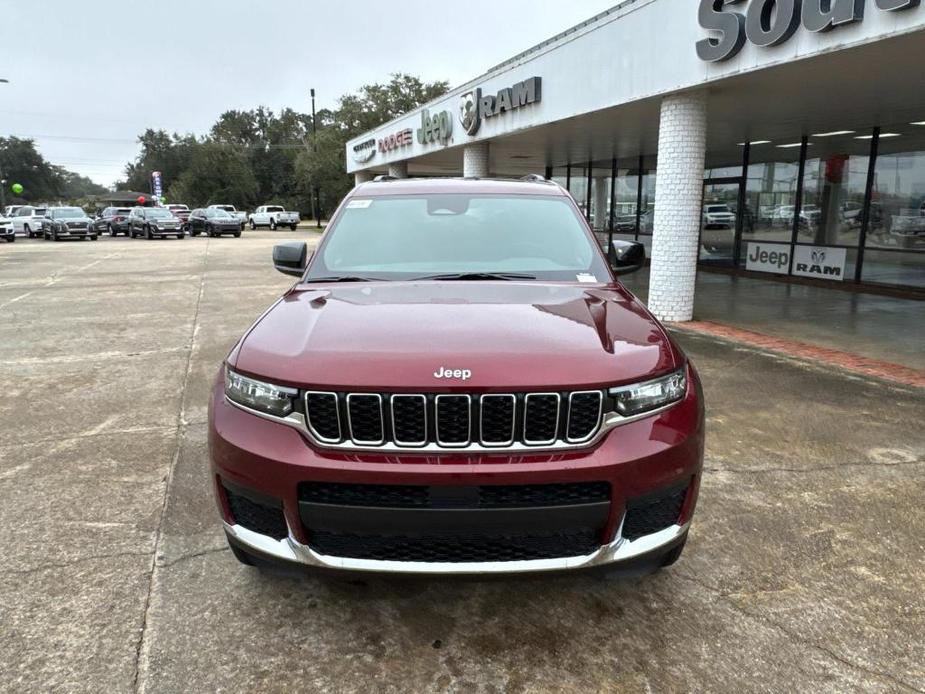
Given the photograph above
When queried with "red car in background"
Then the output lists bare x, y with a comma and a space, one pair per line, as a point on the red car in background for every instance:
457, 383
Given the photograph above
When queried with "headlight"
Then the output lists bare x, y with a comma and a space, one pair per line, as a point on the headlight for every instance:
266, 397
650, 395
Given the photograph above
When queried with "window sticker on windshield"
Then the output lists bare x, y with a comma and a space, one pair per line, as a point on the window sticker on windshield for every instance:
586, 277
359, 204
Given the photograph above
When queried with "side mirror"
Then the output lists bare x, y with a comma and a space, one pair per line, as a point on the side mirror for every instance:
626, 256
291, 258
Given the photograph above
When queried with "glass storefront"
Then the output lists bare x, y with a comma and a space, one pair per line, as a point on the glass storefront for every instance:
822, 217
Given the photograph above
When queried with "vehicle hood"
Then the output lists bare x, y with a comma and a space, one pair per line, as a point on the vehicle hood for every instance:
394, 336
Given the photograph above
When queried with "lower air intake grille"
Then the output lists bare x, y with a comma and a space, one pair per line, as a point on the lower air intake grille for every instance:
653, 513
486, 496
259, 517
456, 549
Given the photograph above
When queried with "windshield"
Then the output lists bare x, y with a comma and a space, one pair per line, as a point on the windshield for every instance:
175, 208
123, 210
407, 237
159, 213
217, 213
717, 208
226, 208
66, 212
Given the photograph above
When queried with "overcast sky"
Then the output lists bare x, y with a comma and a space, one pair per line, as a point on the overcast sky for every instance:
87, 76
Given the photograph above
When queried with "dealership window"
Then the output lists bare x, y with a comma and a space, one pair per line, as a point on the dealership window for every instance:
625, 199
578, 186
647, 198
560, 175
834, 182
895, 241
770, 194
599, 214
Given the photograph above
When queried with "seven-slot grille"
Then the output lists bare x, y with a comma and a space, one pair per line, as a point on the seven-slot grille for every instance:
453, 420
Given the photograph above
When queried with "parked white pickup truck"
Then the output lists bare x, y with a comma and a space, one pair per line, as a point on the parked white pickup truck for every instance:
230, 209
273, 216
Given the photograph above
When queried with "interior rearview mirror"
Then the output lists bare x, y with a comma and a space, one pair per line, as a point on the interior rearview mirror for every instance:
291, 257
626, 256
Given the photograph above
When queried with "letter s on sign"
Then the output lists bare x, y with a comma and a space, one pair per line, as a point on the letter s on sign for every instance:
731, 25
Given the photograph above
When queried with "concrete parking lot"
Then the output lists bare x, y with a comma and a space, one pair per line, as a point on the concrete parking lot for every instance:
805, 569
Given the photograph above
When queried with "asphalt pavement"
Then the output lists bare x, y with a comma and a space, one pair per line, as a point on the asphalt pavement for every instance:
804, 571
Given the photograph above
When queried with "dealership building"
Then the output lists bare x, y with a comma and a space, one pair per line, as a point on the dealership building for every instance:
777, 137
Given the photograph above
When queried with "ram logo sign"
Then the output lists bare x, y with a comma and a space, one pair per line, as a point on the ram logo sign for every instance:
819, 262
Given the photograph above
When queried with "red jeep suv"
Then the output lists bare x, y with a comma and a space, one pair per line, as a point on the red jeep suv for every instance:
457, 383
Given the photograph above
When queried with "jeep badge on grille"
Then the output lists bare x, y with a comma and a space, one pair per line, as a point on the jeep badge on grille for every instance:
462, 374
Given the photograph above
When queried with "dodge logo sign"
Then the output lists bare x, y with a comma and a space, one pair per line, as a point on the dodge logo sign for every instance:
469, 111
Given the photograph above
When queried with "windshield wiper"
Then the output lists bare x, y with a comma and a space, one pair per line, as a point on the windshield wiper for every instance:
343, 278
478, 276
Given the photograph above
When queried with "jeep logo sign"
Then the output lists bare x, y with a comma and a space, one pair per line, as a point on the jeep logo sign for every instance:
768, 257
820, 262
436, 128
772, 22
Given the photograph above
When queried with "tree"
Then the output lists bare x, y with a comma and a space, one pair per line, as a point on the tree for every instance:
169, 154
371, 106
21, 163
217, 173
375, 104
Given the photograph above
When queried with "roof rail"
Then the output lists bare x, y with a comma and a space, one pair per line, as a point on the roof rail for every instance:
381, 178
533, 178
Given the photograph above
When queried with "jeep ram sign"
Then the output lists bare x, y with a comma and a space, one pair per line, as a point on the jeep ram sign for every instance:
821, 262
772, 22
473, 107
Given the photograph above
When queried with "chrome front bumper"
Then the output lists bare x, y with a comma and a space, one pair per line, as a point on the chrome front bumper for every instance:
291, 550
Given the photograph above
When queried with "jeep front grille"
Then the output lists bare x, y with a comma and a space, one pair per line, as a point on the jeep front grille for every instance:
450, 420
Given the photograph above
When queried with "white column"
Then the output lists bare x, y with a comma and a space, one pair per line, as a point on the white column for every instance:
362, 177
475, 160
599, 202
399, 169
682, 139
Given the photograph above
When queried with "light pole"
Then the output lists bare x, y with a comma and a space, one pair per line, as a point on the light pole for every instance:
316, 203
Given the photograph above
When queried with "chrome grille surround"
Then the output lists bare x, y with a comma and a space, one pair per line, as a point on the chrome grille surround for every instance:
299, 420
452, 444
497, 444
541, 442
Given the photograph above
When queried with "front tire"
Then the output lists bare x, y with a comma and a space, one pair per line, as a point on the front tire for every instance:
253, 226
28, 231
237, 234
93, 238
148, 235
11, 239
110, 230
272, 225
293, 226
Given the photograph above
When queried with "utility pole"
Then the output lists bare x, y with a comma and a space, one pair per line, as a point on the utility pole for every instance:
316, 203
